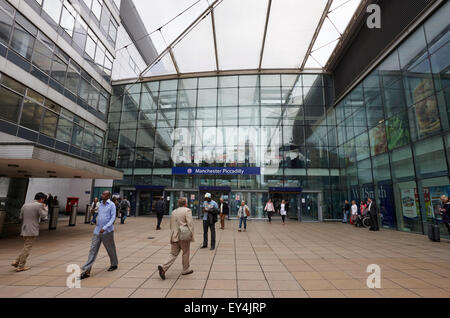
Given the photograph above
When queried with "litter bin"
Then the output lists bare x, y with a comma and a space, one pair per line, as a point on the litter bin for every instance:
73, 215
2, 215
87, 216
54, 214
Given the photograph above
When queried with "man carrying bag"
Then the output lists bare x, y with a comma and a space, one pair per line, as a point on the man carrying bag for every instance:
181, 236
210, 211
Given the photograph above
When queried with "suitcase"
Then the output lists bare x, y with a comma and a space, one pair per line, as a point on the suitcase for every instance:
434, 233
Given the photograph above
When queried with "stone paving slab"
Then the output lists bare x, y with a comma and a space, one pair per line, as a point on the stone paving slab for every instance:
297, 260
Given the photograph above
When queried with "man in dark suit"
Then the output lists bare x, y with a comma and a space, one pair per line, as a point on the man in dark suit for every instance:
224, 210
160, 210
373, 212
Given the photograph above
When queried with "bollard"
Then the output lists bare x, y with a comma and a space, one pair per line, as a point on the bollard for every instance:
54, 214
87, 216
73, 216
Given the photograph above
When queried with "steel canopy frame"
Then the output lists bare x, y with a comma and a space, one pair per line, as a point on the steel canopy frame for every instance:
211, 10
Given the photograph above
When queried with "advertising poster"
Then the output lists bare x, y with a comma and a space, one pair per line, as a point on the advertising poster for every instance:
410, 203
378, 140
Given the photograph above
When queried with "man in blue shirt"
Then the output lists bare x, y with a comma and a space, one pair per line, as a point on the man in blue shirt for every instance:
210, 210
103, 233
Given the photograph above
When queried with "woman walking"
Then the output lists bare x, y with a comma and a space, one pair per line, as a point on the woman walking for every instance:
283, 211
242, 214
269, 209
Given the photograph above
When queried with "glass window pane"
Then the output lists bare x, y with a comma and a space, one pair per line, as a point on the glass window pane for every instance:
22, 41
5, 27
381, 168
53, 8
77, 136
402, 164
249, 116
67, 20
65, 128
10, 105
424, 119
249, 96
430, 157
31, 115
397, 128
207, 97
49, 123
378, 142
228, 96
80, 33
59, 69
187, 98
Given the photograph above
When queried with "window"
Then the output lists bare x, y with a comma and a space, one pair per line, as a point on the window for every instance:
97, 8
10, 104
77, 136
59, 69
104, 20
112, 30
80, 34
68, 19
42, 55
49, 123
100, 55
5, 27
73, 77
53, 8
84, 89
22, 42
31, 115
90, 46
64, 132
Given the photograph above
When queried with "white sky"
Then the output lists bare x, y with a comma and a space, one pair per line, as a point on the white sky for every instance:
155, 13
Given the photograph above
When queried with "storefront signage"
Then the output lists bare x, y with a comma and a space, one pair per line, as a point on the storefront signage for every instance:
221, 171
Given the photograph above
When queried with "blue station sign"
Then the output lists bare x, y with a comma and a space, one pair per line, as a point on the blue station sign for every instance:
220, 171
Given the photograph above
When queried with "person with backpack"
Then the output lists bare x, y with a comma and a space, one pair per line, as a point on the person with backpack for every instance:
181, 236
124, 208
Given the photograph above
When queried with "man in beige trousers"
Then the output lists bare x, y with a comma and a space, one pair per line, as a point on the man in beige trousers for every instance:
30, 214
180, 217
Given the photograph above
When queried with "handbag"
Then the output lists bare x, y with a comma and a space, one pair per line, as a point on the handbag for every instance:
247, 212
184, 233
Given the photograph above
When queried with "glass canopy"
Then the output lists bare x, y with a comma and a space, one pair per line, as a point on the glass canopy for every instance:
234, 35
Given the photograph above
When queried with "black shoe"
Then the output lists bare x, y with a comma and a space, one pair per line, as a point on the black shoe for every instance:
85, 275
112, 268
212, 248
162, 273
203, 246
188, 273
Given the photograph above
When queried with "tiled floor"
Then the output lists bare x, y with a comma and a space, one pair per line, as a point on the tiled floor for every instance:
297, 260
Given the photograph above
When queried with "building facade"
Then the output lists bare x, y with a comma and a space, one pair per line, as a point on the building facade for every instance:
56, 68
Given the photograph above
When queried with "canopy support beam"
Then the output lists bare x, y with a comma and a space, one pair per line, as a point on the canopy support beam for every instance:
316, 34
213, 21
265, 34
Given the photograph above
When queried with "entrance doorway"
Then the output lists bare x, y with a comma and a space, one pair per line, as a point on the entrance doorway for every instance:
292, 200
147, 202
310, 207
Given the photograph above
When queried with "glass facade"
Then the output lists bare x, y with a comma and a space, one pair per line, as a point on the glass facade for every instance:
26, 46
46, 122
277, 123
401, 110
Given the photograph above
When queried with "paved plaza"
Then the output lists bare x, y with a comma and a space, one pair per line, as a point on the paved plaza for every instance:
297, 260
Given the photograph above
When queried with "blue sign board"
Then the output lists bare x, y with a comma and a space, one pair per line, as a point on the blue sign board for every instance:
220, 171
